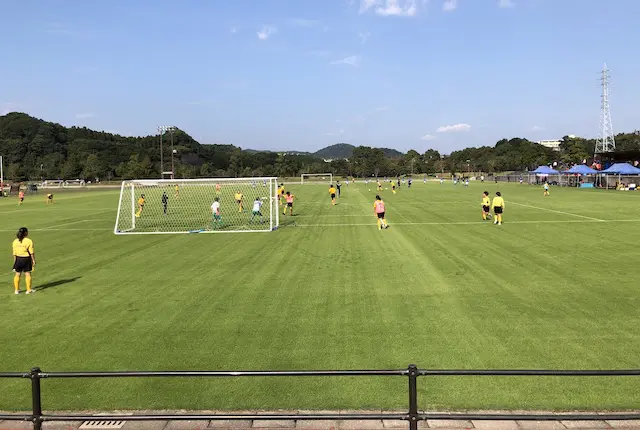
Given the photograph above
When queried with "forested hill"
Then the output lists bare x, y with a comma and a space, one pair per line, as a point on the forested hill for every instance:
34, 149
344, 150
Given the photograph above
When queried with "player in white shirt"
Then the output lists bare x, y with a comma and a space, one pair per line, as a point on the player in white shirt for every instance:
257, 206
215, 212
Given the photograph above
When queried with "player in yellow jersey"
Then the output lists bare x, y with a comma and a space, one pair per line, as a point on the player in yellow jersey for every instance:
281, 194
393, 187
486, 206
49, 199
498, 208
379, 185
24, 260
238, 198
20, 198
141, 201
218, 189
177, 190
332, 193
546, 189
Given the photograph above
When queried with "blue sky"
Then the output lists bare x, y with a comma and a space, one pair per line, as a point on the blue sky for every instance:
303, 74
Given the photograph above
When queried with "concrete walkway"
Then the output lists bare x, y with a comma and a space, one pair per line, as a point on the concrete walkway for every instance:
337, 424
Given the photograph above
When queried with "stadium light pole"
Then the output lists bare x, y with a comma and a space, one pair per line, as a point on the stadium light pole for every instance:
161, 130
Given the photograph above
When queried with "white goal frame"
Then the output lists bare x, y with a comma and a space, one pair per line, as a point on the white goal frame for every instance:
272, 185
304, 175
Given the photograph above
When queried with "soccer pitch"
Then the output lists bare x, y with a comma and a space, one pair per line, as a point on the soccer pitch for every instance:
555, 287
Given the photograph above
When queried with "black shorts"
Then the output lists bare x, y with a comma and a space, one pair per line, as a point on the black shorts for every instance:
239, 202
380, 215
393, 187
22, 265
497, 210
485, 208
290, 205
21, 199
50, 196
333, 196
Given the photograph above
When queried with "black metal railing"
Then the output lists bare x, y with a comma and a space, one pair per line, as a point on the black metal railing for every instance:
412, 416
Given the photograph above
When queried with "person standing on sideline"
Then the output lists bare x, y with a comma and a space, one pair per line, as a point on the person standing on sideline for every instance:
165, 202
486, 206
338, 185
379, 211
498, 208
24, 259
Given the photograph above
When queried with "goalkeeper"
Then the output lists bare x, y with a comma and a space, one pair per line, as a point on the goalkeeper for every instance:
256, 211
215, 212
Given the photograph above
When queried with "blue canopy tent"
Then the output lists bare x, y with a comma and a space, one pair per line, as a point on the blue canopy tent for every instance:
545, 170
621, 169
580, 170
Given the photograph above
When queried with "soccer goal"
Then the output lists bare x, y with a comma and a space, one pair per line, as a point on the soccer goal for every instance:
218, 205
316, 177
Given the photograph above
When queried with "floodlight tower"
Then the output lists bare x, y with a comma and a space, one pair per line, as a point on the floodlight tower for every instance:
162, 129
606, 139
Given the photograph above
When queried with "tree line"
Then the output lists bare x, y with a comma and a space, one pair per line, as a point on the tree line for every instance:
34, 149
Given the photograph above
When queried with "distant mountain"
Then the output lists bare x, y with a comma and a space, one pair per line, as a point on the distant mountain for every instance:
339, 150
345, 150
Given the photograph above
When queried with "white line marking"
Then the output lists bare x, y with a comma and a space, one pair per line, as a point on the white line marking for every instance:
67, 223
556, 211
471, 223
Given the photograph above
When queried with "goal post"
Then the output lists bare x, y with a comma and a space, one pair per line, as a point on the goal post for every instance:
316, 177
214, 205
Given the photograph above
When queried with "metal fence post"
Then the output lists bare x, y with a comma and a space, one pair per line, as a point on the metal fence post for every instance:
36, 399
413, 397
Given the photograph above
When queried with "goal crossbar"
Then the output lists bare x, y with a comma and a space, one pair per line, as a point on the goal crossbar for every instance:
312, 175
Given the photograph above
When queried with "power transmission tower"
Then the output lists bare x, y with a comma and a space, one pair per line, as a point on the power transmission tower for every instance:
606, 139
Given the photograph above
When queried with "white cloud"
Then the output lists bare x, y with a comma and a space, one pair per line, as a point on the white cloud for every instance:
84, 115
428, 137
364, 36
454, 128
266, 32
450, 5
506, 3
382, 109
353, 60
390, 7
234, 29
536, 128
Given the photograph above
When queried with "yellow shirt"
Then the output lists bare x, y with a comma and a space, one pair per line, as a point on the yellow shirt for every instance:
176, 187
498, 202
239, 196
281, 190
24, 248
141, 201
486, 201
332, 190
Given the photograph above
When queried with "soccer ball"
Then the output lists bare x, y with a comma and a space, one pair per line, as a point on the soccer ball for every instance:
369, 189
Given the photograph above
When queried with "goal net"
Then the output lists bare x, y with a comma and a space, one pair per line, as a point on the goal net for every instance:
324, 178
219, 205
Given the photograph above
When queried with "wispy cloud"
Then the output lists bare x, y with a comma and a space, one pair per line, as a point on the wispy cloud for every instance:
382, 109
390, 7
453, 128
450, 5
536, 128
506, 3
84, 115
266, 32
364, 36
234, 29
428, 137
353, 60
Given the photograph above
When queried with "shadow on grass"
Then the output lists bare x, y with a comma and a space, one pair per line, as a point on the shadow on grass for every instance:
57, 283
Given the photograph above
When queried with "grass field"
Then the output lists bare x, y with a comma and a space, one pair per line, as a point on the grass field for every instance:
556, 286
